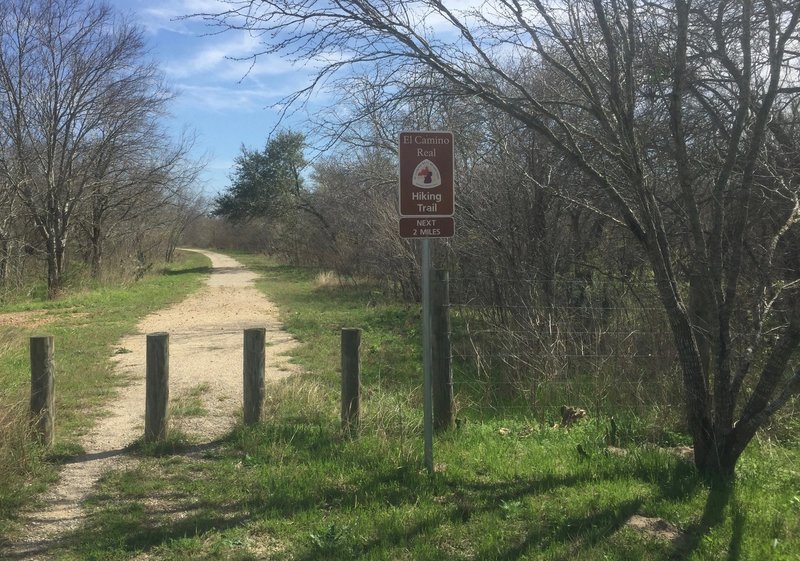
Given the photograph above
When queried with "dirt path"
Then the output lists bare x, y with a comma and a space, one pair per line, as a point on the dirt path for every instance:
205, 373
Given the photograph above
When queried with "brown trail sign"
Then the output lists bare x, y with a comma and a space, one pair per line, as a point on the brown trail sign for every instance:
426, 174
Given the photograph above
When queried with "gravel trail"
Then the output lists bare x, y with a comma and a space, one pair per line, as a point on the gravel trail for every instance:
205, 345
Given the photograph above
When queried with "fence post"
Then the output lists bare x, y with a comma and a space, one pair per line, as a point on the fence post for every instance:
156, 416
43, 402
442, 355
351, 380
253, 368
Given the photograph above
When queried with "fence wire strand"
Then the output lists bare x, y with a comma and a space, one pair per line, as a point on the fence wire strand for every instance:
599, 346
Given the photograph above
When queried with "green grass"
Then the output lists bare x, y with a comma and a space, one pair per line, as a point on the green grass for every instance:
85, 325
190, 403
316, 316
294, 487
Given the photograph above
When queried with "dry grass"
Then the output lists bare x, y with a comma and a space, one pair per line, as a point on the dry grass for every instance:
327, 279
14, 422
19, 457
7, 338
332, 279
15, 433
25, 320
298, 396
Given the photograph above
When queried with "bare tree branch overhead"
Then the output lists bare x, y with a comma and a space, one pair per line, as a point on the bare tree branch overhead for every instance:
679, 118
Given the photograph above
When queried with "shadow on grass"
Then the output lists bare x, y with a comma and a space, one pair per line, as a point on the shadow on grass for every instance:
310, 477
720, 496
279, 272
580, 532
133, 526
194, 270
466, 505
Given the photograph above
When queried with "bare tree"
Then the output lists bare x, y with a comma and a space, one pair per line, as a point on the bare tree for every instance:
72, 79
134, 177
671, 111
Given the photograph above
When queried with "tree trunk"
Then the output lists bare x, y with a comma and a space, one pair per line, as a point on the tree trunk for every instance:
708, 446
53, 270
5, 256
96, 253
716, 457
61, 253
56, 249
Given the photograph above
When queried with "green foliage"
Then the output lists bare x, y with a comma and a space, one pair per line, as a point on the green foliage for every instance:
189, 403
328, 540
264, 182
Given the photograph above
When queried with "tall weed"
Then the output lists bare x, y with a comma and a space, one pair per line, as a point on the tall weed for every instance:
20, 456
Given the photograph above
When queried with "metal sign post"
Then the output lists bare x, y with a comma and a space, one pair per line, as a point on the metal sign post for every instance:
427, 354
426, 202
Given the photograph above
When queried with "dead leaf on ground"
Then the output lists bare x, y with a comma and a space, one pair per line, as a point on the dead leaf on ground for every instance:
657, 528
682, 452
28, 320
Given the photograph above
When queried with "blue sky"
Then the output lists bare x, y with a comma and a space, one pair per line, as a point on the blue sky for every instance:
218, 99
228, 102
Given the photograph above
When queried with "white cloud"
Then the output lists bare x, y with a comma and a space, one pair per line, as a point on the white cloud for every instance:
157, 16
227, 58
209, 57
226, 99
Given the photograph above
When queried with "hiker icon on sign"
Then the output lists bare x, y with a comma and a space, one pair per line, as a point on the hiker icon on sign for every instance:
426, 175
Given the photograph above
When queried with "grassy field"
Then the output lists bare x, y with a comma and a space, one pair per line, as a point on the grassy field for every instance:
85, 325
506, 487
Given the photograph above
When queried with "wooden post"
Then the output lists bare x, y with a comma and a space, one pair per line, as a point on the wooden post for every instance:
156, 416
351, 380
442, 363
43, 411
254, 360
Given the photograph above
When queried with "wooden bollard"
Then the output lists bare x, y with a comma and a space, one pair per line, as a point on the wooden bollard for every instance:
253, 369
351, 380
43, 370
156, 416
442, 370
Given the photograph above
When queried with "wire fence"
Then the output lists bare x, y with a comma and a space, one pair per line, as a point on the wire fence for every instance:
536, 345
